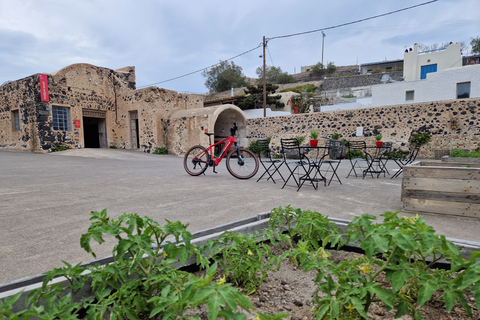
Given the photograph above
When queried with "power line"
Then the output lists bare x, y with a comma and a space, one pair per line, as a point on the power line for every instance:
293, 35
352, 22
200, 70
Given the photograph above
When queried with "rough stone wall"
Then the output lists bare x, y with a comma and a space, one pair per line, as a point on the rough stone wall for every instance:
452, 124
20, 95
154, 105
358, 80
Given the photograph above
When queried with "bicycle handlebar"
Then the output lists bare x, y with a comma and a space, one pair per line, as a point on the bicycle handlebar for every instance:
234, 129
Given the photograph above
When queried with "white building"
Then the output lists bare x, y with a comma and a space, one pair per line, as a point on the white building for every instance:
431, 76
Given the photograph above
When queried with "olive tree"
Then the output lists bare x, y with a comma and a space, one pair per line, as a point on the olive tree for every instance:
224, 76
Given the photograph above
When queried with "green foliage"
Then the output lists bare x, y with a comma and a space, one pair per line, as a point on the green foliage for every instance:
403, 249
143, 282
161, 150
475, 43
254, 98
299, 140
348, 95
274, 75
253, 146
396, 154
240, 256
59, 147
224, 76
319, 69
420, 138
314, 135
336, 136
113, 146
462, 154
354, 154
310, 88
378, 137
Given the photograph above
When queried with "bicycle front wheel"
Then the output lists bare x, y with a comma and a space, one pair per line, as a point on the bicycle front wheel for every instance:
195, 160
243, 167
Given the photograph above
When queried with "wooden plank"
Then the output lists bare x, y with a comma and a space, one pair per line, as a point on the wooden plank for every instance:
442, 196
442, 207
441, 185
442, 172
449, 164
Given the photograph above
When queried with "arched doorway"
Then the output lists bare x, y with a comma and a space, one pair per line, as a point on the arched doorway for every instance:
185, 128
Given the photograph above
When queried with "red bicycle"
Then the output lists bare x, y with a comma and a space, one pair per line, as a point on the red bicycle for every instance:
241, 163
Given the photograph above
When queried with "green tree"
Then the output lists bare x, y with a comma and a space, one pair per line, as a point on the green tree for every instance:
475, 43
318, 69
224, 76
274, 75
254, 98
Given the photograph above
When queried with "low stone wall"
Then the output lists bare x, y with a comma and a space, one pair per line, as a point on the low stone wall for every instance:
359, 80
452, 124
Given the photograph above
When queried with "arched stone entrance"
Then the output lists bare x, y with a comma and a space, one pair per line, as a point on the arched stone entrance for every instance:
185, 128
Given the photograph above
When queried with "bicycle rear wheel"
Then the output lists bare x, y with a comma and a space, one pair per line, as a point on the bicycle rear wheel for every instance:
243, 167
195, 160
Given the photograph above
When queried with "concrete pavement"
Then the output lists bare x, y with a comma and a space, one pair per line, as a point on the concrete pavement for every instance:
45, 200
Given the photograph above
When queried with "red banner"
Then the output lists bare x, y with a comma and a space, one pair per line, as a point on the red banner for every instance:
43, 87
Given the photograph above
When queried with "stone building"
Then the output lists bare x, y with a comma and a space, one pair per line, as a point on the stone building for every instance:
85, 106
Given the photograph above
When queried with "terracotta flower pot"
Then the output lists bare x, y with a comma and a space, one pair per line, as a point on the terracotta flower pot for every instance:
313, 143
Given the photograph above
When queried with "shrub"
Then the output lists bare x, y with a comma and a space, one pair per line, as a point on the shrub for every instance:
161, 150
59, 147
459, 153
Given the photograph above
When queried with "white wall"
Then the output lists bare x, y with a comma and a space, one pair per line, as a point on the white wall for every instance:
450, 57
437, 86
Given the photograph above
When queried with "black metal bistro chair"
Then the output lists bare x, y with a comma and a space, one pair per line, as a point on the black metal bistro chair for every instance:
270, 164
356, 154
377, 160
332, 158
405, 158
300, 168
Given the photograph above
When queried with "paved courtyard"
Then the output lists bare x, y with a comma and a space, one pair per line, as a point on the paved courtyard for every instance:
45, 200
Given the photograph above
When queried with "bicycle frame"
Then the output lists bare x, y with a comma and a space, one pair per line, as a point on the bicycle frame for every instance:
214, 162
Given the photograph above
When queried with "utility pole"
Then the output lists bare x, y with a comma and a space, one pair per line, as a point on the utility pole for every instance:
323, 42
264, 81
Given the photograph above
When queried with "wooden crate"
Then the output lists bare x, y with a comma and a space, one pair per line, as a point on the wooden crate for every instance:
442, 188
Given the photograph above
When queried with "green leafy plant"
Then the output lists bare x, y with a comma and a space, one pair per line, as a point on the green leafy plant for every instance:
420, 138
336, 136
348, 95
300, 139
240, 256
354, 154
253, 146
396, 154
404, 250
161, 150
59, 147
314, 135
378, 137
277, 156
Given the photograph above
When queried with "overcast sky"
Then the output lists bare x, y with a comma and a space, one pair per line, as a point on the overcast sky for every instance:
168, 39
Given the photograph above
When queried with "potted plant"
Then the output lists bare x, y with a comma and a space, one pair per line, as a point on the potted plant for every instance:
300, 139
313, 138
336, 136
378, 138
